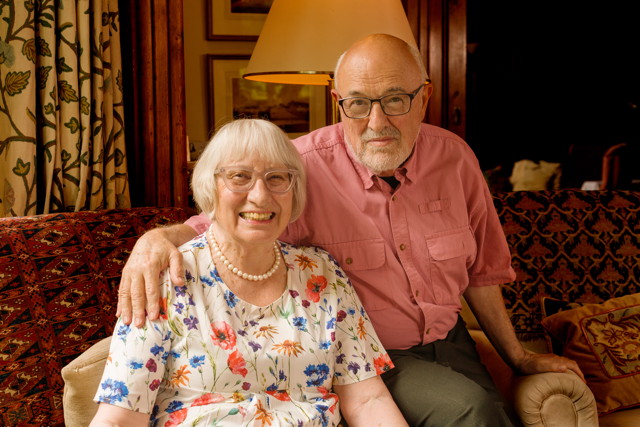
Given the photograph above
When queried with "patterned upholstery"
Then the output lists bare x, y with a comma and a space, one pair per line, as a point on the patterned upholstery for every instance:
58, 291
574, 245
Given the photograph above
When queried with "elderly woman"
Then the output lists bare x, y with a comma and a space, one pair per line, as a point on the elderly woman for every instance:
262, 332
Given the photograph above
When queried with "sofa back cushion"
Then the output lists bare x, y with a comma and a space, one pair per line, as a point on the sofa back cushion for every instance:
59, 275
570, 245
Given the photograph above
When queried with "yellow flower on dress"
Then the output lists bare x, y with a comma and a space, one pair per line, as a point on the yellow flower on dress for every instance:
289, 348
237, 397
362, 330
266, 331
304, 262
180, 376
263, 415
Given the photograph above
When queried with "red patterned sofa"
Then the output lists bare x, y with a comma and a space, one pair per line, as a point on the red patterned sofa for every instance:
58, 284
578, 250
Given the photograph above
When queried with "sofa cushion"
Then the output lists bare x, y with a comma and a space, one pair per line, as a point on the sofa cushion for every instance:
81, 380
59, 275
604, 339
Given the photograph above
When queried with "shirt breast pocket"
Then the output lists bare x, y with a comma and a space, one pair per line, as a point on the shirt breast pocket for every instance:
451, 254
360, 260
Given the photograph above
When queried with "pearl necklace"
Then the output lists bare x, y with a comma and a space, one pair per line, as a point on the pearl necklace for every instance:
217, 253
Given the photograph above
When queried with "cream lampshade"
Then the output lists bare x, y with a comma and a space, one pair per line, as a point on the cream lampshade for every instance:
301, 40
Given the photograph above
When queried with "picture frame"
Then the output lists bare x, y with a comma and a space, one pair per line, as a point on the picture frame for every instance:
296, 109
236, 19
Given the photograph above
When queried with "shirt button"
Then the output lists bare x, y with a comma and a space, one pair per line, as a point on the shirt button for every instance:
348, 260
403, 246
417, 293
393, 198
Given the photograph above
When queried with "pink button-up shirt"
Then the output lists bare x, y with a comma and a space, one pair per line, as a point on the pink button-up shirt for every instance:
410, 252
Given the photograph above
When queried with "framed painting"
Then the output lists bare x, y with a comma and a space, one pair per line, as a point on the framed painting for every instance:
236, 19
296, 109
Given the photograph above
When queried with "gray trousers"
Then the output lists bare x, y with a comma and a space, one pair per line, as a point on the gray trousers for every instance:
444, 384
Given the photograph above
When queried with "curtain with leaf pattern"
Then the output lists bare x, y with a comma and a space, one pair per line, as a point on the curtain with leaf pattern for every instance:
62, 142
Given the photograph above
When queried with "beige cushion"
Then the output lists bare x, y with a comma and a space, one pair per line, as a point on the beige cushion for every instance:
81, 380
530, 175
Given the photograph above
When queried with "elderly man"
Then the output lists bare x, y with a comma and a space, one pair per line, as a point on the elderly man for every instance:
405, 210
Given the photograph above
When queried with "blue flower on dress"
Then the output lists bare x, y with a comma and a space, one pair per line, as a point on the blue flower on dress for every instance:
255, 346
188, 275
135, 364
353, 367
191, 322
282, 376
317, 374
113, 391
123, 331
174, 354
331, 323
179, 307
207, 280
351, 311
180, 290
324, 345
156, 349
367, 367
300, 323
230, 298
196, 361
174, 405
340, 358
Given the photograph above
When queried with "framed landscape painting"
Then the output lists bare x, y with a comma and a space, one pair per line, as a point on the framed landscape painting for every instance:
296, 109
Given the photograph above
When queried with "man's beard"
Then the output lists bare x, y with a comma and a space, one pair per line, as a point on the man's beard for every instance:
381, 159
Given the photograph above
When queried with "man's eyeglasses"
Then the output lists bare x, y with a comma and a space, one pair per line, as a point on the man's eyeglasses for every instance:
395, 104
242, 180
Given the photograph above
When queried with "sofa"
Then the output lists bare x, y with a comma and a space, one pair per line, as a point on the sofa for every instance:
577, 260
576, 249
59, 275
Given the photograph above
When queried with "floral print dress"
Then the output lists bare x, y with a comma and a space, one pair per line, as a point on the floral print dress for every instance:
213, 359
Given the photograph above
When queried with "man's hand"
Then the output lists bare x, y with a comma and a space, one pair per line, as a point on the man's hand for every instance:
534, 363
139, 286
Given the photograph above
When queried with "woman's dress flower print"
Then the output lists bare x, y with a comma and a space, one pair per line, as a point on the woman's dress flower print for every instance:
315, 286
223, 335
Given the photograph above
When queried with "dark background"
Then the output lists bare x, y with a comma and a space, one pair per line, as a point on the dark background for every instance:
552, 80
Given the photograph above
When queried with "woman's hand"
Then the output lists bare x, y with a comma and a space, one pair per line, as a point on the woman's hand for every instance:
140, 283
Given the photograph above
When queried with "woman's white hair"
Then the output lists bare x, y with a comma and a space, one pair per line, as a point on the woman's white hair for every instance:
238, 140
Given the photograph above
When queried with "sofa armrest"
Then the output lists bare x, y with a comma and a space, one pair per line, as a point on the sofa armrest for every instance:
554, 399
548, 399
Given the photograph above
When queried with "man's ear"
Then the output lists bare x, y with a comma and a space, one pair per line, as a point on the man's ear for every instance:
335, 95
427, 92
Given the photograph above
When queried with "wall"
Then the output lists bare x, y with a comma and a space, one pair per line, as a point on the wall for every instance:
196, 48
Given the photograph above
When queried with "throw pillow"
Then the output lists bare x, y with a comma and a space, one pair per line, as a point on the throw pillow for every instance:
604, 339
551, 306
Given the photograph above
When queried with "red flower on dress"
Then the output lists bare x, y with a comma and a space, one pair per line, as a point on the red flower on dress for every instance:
382, 363
315, 285
208, 398
326, 395
176, 418
223, 335
237, 363
280, 395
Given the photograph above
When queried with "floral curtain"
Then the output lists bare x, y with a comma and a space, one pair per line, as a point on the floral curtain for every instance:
62, 142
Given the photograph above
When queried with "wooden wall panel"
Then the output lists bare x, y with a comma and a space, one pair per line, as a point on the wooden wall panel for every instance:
157, 114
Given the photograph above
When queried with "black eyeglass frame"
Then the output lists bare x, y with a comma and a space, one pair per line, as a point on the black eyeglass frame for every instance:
378, 100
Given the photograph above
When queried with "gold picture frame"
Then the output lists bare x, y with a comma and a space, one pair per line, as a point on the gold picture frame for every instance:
236, 19
296, 109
